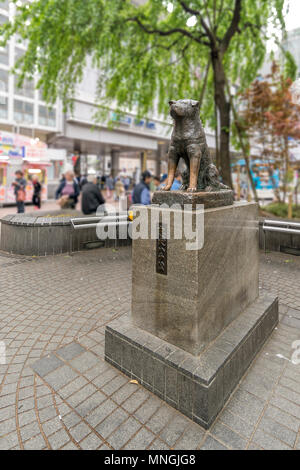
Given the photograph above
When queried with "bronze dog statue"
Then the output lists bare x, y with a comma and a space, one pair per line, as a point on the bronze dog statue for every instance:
188, 142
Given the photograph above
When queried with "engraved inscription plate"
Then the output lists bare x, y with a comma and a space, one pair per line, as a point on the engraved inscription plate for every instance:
162, 250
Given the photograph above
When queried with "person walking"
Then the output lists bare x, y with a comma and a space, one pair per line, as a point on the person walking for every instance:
141, 192
109, 186
37, 188
20, 193
68, 191
91, 197
119, 189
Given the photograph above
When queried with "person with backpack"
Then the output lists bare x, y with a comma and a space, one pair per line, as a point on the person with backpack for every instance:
141, 192
20, 193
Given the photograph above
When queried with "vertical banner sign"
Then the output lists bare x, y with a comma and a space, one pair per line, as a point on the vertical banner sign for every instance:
162, 250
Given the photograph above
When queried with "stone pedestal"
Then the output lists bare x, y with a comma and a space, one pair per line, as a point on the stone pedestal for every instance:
203, 290
197, 320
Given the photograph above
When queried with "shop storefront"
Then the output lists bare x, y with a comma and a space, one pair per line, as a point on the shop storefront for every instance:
21, 153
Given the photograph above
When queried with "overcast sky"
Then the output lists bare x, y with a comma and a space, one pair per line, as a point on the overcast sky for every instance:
293, 17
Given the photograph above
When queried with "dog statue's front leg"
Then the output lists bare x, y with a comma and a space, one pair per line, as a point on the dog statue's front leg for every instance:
194, 154
172, 166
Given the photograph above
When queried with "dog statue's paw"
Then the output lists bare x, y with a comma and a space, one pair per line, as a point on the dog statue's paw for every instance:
191, 190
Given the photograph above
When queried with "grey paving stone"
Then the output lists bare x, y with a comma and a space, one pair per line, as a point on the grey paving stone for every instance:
36, 443
70, 446
90, 403
80, 431
59, 439
141, 440
159, 445
247, 406
70, 351
47, 413
123, 393
81, 395
191, 438
123, 434
211, 444
286, 405
144, 413
84, 362
29, 431
278, 430
160, 419
268, 442
9, 441
51, 426
71, 419
135, 400
60, 377
288, 394
73, 387
47, 364
283, 418
91, 442
100, 413
237, 424
228, 437
7, 426
106, 427
174, 430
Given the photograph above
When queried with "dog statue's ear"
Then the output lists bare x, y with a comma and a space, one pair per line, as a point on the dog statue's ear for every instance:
171, 102
195, 103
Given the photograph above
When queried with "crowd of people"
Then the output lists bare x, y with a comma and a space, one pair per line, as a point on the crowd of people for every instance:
89, 188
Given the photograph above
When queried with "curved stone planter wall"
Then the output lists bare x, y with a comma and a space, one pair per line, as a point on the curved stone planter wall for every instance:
40, 236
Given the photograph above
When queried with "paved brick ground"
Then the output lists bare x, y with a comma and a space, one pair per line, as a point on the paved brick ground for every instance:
57, 308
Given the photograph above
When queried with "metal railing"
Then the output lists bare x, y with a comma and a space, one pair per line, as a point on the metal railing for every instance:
280, 226
105, 220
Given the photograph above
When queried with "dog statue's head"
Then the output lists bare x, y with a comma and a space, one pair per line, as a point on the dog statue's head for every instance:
184, 108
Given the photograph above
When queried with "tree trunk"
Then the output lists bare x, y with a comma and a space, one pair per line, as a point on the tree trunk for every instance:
223, 105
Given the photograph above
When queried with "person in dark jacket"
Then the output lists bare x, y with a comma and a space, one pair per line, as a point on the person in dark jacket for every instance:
19, 190
68, 191
141, 192
91, 197
37, 188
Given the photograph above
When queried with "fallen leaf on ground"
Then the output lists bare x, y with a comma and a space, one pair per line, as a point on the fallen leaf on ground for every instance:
134, 382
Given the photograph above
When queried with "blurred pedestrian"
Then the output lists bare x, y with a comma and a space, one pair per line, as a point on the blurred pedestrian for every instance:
162, 181
119, 189
177, 182
156, 183
109, 186
126, 182
91, 197
37, 188
68, 191
20, 191
141, 192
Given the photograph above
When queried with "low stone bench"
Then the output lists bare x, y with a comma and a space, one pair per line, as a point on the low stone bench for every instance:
41, 235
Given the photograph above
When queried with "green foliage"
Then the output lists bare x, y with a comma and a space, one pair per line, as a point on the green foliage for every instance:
136, 65
280, 209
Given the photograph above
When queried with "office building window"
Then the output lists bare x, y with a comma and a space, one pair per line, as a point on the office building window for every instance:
19, 54
4, 4
23, 111
4, 55
3, 80
47, 117
27, 89
3, 107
